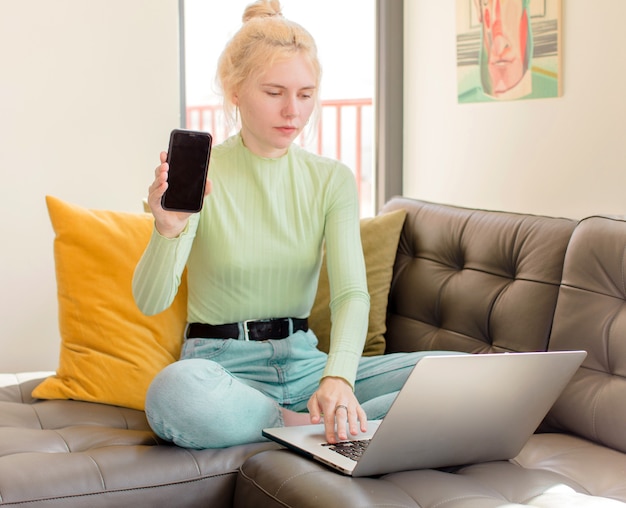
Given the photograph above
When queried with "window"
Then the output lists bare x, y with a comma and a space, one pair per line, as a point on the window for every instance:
345, 33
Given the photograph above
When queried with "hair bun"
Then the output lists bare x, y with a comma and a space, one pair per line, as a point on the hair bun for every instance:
262, 9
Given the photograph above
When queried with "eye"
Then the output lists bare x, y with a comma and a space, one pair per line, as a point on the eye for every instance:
272, 91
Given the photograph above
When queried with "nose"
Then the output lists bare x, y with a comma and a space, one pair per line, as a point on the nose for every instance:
497, 19
500, 45
290, 107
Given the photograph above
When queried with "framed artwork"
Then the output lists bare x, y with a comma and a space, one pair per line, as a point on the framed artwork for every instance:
508, 50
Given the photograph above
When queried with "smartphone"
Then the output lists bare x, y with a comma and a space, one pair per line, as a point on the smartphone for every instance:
188, 157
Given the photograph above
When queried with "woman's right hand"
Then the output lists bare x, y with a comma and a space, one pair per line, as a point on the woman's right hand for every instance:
168, 223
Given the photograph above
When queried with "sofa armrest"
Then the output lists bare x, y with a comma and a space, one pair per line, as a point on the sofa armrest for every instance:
18, 387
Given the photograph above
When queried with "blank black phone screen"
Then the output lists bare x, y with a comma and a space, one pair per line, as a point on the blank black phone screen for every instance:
188, 158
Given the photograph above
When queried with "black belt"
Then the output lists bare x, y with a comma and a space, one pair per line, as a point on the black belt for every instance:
262, 329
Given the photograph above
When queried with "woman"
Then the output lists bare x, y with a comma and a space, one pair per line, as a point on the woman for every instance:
254, 253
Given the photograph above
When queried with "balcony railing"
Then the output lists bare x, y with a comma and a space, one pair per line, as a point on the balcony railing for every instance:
344, 132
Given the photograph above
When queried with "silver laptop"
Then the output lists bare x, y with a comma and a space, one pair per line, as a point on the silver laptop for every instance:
452, 410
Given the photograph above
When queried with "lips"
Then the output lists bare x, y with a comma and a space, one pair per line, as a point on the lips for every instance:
287, 129
502, 62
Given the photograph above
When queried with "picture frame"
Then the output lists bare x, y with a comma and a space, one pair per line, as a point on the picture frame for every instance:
508, 50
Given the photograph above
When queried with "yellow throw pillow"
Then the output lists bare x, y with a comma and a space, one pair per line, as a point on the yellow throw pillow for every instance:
110, 350
379, 236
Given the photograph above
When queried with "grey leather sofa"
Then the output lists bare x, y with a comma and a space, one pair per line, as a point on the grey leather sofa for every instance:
481, 281
470, 280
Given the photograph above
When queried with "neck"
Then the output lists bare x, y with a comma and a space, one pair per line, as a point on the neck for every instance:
267, 152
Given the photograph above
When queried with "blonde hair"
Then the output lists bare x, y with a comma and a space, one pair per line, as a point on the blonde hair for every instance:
265, 37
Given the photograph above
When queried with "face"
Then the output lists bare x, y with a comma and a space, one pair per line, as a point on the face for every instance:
505, 39
276, 104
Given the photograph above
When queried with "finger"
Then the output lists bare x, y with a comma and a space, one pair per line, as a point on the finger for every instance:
357, 421
329, 426
160, 174
314, 410
163, 157
162, 170
362, 418
353, 422
158, 186
341, 419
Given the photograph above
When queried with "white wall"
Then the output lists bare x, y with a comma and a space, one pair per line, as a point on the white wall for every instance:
563, 157
88, 93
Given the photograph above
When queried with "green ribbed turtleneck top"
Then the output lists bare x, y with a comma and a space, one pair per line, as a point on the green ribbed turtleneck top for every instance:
255, 249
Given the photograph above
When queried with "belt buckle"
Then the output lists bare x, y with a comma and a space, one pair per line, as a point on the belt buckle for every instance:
246, 332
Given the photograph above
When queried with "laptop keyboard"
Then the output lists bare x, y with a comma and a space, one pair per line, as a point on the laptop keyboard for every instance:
351, 449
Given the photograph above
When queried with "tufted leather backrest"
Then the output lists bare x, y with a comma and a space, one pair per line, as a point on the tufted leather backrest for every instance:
473, 280
591, 315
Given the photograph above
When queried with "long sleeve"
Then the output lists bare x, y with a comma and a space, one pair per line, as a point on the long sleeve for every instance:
159, 271
349, 303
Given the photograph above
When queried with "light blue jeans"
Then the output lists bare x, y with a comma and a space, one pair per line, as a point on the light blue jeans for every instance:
223, 392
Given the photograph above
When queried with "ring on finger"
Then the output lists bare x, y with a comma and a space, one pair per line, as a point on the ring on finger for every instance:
339, 406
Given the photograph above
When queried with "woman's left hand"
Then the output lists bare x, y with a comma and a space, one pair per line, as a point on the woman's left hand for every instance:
335, 404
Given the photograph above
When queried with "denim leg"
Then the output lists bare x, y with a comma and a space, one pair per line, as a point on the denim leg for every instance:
197, 403
200, 403
224, 392
380, 378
